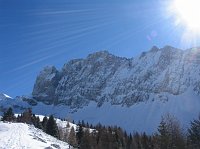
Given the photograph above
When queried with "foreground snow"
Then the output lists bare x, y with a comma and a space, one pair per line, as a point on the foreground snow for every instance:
23, 136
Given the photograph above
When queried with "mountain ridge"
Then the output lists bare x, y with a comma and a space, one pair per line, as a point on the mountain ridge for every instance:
102, 77
129, 92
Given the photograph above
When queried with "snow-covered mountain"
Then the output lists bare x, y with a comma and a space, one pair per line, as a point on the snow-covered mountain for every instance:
133, 93
103, 77
4, 96
23, 136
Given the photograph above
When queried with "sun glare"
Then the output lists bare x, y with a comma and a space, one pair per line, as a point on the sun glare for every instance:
188, 11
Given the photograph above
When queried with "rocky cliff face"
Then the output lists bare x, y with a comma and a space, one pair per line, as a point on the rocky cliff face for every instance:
46, 84
103, 77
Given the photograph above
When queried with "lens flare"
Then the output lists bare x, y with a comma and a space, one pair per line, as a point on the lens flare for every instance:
188, 12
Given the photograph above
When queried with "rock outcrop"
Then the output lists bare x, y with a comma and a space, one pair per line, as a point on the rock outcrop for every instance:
103, 77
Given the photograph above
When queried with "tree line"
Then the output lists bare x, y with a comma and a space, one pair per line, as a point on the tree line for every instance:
169, 135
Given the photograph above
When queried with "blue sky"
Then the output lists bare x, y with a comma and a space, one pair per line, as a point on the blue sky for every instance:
36, 33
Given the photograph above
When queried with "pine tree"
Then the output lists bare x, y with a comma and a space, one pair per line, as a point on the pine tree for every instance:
82, 123
129, 141
44, 123
89, 140
19, 118
145, 141
51, 127
170, 133
72, 138
38, 123
26, 116
194, 134
9, 115
68, 125
33, 120
163, 134
79, 134
137, 140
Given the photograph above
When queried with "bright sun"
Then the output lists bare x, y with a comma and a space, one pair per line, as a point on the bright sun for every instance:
188, 11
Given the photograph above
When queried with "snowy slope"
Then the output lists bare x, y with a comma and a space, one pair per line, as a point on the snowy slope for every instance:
140, 117
4, 96
143, 116
23, 136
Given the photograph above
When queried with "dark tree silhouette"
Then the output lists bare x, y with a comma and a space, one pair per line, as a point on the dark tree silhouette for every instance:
8, 115
194, 134
51, 127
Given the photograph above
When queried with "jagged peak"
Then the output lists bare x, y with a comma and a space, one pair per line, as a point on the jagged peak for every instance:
102, 54
171, 48
154, 49
168, 47
73, 61
48, 69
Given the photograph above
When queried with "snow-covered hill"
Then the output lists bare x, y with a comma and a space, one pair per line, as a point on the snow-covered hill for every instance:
23, 136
